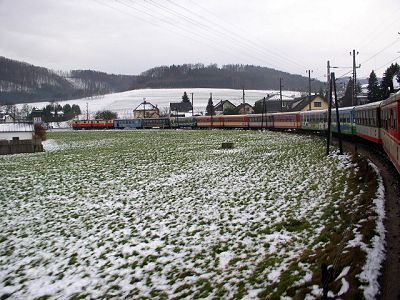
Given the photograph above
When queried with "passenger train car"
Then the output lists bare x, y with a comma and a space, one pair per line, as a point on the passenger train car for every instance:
368, 121
390, 128
92, 124
377, 122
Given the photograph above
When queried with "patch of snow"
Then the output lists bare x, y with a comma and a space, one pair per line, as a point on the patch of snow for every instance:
375, 254
345, 287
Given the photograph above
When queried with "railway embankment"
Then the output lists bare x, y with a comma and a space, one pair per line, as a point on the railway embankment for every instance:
390, 274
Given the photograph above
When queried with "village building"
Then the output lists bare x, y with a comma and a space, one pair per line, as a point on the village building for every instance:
6, 118
18, 138
317, 102
274, 104
224, 107
146, 110
245, 109
180, 108
37, 116
16, 131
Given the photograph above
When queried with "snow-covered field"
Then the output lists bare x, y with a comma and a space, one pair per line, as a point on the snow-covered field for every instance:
124, 103
163, 214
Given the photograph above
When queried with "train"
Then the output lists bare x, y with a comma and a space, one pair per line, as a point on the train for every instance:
376, 122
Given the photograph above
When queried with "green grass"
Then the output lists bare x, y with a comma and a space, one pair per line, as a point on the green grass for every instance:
146, 213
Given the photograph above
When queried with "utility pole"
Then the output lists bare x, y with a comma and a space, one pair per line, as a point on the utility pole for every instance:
280, 92
262, 115
243, 97
328, 75
211, 111
337, 115
192, 105
309, 89
144, 108
87, 111
354, 92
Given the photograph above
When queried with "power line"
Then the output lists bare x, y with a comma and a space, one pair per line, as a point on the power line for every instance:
380, 51
217, 42
243, 37
171, 24
387, 63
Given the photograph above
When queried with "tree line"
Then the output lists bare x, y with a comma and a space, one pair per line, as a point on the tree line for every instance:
232, 76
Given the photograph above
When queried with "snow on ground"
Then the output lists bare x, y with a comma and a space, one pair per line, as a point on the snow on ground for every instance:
124, 103
375, 253
113, 214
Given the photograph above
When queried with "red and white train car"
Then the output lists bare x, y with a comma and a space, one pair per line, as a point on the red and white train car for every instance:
209, 121
286, 120
235, 121
261, 121
368, 121
92, 124
390, 128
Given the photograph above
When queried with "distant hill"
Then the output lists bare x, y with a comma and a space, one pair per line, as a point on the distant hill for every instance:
21, 82
228, 76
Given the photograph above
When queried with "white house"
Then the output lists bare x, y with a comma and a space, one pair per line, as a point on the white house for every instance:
16, 131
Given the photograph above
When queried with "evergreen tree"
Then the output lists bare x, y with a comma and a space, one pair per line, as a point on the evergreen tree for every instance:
387, 81
185, 98
373, 88
346, 100
76, 110
210, 111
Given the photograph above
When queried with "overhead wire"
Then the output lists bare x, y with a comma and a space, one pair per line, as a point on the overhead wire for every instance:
200, 25
238, 33
213, 31
171, 24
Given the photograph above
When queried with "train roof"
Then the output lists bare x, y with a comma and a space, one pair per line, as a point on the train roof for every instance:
369, 105
317, 111
393, 98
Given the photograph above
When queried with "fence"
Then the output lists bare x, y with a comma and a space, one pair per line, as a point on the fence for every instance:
20, 146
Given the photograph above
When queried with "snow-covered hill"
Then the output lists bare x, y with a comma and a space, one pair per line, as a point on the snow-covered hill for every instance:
124, 103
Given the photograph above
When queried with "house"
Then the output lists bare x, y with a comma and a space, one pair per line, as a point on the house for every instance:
245, 109
37, 116
19, 138
16, 131
146, 110
180, 107
304, 103
6, 118
224, 106
273, 103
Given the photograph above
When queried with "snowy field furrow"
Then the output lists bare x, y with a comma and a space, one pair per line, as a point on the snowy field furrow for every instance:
163, 214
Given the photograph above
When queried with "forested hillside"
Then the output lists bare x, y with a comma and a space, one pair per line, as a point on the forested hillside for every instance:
227, 76
21, 82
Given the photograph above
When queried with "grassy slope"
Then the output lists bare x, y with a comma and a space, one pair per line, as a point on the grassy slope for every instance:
168, 214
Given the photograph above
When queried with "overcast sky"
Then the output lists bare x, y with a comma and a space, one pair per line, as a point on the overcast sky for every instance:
131, 36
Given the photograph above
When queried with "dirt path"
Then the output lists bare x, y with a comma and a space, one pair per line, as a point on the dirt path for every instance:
390, 277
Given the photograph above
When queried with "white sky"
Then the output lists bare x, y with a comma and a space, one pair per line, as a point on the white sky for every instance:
131, 36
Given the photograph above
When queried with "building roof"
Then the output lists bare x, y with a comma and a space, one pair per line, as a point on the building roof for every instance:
276, 97
221, 105
16, 127
180, 106
145, 106
299, 103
